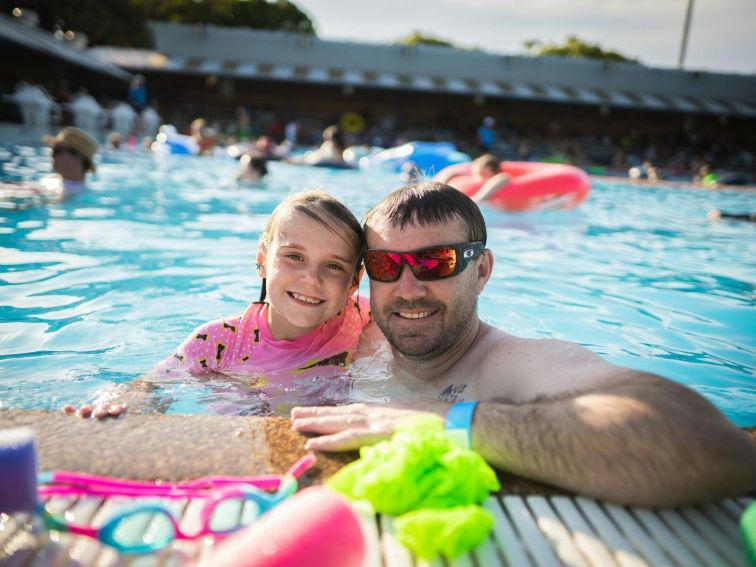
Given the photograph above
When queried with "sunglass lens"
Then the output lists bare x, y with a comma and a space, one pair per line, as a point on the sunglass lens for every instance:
383, 266
435, 263
142, 532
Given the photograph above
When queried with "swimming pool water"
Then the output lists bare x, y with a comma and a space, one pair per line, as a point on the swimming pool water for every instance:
96, 290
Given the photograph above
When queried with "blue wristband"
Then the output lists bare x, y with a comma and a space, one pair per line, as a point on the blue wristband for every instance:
459, 422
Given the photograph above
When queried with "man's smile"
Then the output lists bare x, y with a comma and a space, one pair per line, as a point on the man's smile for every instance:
414, 315
409, 311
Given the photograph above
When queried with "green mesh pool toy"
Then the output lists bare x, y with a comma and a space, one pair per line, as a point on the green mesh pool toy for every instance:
430, 482
748, 533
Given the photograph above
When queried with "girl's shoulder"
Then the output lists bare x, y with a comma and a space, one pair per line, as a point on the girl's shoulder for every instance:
222, 325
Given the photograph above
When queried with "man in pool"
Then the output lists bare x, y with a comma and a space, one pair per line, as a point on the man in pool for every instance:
548, 410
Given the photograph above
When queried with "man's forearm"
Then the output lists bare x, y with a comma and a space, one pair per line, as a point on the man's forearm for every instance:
645, 441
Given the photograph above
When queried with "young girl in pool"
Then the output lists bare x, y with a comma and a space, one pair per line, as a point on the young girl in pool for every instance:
303, 330
308, 315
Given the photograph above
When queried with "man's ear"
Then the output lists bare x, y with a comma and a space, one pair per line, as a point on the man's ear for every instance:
261, 261
485, 269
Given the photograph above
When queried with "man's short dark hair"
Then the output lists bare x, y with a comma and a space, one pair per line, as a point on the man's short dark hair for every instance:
428, 203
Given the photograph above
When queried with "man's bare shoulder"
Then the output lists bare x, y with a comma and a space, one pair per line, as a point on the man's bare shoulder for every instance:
523, 369
497, 345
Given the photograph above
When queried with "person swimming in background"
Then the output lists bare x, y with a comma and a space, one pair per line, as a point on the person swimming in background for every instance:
716, 214
114, 141
308, 315
330, 152
646, 171
252, 168
203, 135
410, 174
73, 152
332, 148
706, 177
485, 171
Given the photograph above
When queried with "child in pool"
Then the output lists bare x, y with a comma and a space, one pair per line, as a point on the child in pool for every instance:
485, 174
309, 261
307, 323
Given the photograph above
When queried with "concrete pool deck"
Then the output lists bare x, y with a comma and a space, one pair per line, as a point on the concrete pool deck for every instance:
177, 447
168, 447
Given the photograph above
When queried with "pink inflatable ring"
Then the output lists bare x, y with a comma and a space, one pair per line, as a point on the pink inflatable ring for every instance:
532, 185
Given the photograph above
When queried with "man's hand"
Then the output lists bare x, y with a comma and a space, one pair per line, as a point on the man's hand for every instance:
345, 428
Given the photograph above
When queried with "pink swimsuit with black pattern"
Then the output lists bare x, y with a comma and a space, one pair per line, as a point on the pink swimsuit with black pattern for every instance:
244, 344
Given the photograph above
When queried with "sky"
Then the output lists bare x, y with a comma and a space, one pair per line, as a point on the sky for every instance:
722, 34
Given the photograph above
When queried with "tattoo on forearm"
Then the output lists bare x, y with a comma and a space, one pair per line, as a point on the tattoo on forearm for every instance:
452, 392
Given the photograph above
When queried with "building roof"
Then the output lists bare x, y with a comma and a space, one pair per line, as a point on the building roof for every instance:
44, 42
282, 56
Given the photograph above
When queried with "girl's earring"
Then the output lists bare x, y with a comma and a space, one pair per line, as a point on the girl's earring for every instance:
258, 267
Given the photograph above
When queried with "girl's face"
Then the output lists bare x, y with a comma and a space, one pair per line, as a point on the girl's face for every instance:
310, 274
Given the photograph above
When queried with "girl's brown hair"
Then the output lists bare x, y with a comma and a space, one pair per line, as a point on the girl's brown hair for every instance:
324, 209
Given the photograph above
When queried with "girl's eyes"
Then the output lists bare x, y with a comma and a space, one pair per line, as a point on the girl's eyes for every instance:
331, 265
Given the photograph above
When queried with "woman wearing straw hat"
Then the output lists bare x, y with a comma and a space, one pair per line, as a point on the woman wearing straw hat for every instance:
73, 153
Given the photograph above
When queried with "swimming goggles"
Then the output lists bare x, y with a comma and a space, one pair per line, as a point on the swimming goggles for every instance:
227, 504
427, 264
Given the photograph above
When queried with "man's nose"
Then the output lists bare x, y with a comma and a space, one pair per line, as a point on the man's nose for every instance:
408, 286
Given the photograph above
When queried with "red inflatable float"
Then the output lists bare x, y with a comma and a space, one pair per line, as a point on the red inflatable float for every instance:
531, 186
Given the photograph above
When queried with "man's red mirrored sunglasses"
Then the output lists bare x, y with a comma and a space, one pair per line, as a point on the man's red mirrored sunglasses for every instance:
427, 264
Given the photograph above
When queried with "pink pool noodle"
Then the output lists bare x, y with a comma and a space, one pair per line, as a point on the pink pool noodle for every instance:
315, 527
18, 470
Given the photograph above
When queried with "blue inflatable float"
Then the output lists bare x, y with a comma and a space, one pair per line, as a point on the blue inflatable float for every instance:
428, 157
169, 141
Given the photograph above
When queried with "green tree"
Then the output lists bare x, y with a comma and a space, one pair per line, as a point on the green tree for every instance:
575, 48
124, 22
258, 14
115, 22
417, 37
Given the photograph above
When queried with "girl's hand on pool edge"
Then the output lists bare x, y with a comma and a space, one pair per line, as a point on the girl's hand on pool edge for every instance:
100, 411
